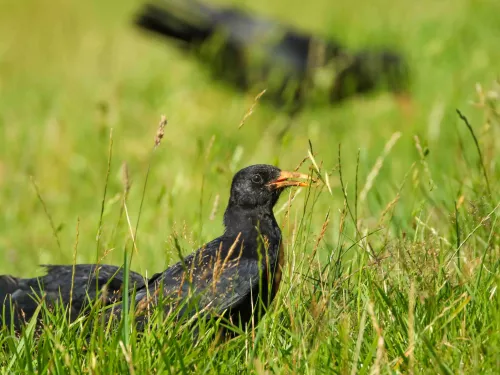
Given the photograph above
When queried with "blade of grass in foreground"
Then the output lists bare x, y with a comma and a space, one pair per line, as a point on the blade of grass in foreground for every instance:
23, 343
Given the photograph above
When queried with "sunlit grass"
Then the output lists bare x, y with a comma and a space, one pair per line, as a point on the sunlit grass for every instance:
391, 267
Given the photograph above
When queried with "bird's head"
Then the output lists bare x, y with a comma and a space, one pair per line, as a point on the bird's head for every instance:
261, 185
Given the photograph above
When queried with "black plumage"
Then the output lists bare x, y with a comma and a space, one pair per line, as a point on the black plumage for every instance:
251, 51
236, 275
240, 271
61, 284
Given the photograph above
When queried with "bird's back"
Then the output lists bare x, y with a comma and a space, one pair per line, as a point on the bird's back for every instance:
62, 284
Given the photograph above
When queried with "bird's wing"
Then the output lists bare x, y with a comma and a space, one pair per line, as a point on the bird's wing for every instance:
217, 288
237, 281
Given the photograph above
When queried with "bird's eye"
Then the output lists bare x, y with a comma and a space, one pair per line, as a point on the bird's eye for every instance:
257, 179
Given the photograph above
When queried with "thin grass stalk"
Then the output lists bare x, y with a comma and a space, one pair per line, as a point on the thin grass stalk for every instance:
103, 201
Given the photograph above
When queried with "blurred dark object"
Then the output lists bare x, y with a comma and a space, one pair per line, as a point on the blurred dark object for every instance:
253, 52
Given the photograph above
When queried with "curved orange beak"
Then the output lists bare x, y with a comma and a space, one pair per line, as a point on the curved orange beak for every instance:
286, 179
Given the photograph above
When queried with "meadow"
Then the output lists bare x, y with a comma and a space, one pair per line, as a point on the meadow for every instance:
392, 264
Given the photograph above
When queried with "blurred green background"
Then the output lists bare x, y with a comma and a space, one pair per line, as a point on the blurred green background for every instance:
72, 71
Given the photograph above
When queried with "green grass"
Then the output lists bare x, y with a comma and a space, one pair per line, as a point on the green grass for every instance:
412, 290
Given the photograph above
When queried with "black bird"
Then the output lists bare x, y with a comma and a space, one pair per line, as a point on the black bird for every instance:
61, 285
254, 52
236, 275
